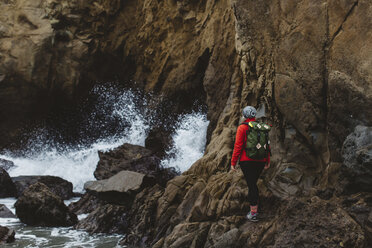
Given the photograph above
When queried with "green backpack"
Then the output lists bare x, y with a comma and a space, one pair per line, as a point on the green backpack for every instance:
258, 143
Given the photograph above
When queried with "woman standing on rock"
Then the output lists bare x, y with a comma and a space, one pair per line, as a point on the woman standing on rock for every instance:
252, 149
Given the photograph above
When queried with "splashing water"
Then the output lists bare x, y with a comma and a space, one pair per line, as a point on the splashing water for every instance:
118, 117
77, 163
130, 115
189, 141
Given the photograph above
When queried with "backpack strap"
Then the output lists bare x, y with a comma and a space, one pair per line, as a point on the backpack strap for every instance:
246, 134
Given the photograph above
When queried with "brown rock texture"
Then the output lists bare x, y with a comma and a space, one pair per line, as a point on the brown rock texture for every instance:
53, 52
106, 218
298, 59
57, 185
38, 206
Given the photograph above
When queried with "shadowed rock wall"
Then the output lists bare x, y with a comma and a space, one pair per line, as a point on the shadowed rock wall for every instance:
53, 52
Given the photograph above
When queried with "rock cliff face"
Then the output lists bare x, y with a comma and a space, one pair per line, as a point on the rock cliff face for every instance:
308, 62
52, 52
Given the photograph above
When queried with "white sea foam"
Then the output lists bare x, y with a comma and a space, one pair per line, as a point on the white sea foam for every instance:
27, 236
189, 141
77, 163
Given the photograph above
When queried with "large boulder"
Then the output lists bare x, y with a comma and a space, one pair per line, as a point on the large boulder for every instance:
357, 155
6, 164
120, 188
133, 158
5, 212
38, 206
7, 187
57, 185
6, 235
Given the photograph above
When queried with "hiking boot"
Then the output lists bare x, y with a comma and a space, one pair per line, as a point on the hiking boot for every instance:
252, 217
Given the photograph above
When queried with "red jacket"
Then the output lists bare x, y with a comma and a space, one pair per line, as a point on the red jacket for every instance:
240, 141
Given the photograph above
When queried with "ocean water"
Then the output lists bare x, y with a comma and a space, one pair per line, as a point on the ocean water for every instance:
56, 237
76, 163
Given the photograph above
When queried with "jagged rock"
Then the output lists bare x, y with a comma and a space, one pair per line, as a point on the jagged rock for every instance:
287, 182
38, 206
7, 187
6, 235
120, 188
57, 185
5, 212
227, 239
6, 164
295, 225
106, 218
86, 204
187, 235
357, 155
133, 158
142, 217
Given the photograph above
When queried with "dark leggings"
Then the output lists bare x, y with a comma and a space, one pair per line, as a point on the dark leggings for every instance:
252, 171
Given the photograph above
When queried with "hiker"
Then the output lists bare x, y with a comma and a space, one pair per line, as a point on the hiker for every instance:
252, 149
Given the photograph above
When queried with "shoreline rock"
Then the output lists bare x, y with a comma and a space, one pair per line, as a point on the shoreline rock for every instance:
132, 158
7, 187
38, 206
57, 185
106, 218
120, 188
5, 212
85, 205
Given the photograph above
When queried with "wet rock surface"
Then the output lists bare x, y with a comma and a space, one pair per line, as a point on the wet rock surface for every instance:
132, 158
6, 164
6, 235
106, 218
120, 188
5, 212
7, 187
57, 185
159, 140
86, 204
38, 206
